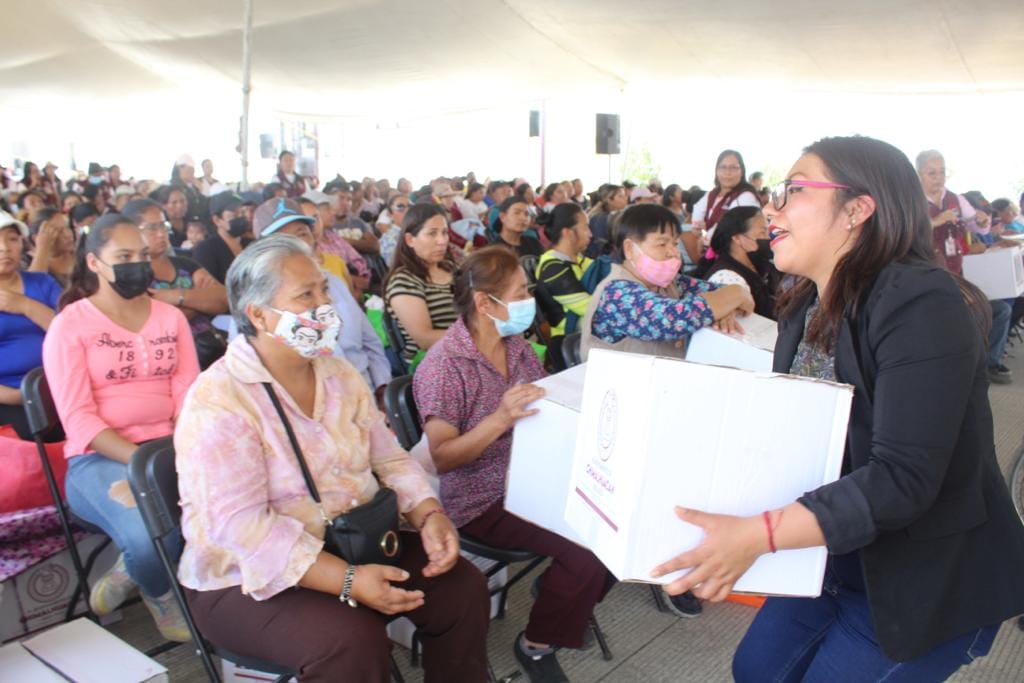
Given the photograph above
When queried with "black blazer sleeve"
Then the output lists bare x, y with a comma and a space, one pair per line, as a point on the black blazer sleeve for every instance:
913, 355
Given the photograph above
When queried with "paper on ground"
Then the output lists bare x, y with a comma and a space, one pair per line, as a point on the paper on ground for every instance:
655, 433
87, 653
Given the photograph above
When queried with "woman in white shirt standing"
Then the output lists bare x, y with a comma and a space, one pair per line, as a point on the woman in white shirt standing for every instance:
731, 190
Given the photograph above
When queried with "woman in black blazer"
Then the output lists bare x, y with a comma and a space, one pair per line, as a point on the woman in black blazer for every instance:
926, 551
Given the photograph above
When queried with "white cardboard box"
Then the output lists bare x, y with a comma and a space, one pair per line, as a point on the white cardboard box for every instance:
752, 350
542, 450
39, 596
999, 273
655, 433
86, 653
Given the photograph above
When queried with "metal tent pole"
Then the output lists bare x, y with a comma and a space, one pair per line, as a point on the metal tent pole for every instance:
243, 135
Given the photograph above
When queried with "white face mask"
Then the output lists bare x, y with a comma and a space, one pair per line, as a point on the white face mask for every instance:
311, 333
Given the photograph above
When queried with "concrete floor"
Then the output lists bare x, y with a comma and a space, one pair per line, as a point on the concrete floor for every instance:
653, 647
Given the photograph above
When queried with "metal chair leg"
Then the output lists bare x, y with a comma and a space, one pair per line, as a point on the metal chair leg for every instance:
656, 594
396, 674
197, 639
602, 642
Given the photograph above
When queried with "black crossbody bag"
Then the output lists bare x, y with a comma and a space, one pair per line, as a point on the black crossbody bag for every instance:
366, 534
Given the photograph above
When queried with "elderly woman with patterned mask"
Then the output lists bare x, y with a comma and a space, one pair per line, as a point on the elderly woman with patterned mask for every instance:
258, 576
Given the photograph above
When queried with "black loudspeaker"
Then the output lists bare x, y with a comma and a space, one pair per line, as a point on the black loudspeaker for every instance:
534, 123
607, 133
267, 146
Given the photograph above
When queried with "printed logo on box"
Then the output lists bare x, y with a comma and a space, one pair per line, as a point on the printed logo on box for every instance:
607, 425
48, 583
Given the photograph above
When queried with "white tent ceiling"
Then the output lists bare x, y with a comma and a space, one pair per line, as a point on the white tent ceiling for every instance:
361, 56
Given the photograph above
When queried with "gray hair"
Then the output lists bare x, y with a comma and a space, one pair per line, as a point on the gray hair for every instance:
255, 275
924, 157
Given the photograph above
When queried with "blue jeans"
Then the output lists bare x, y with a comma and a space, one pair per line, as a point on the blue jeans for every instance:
1000, 333
831, 638
88, 483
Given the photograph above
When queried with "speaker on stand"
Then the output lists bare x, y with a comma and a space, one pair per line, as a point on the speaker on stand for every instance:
607, 137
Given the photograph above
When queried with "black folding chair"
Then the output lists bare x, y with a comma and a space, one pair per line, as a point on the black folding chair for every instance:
395, 341
529, 263
42, 420
571, 349
401, 409
154, 484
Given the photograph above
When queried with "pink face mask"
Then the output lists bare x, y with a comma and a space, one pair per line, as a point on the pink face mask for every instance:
658, 273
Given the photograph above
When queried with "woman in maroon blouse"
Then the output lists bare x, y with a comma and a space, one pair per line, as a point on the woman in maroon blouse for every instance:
471, 388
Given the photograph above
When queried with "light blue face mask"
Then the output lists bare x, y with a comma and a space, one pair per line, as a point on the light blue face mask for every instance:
520, 316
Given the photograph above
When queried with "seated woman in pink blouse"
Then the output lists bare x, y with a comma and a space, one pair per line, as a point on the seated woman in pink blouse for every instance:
118, 364
257, 577
471, 388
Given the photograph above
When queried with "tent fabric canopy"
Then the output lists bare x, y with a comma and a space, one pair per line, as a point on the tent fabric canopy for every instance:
361, 56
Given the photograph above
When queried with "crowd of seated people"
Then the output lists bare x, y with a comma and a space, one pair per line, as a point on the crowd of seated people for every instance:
120, 289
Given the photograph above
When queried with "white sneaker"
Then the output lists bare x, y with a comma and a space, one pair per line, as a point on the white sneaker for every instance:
112, 589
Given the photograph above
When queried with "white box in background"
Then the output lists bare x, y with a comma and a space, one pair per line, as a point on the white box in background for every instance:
752, 350
655, 433
87, 653
542, 452
39, 596
999, 273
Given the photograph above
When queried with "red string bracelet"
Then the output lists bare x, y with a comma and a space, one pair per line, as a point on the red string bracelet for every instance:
426, 517
768, 526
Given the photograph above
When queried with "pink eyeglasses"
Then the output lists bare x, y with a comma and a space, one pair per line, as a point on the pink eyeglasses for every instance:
781, 191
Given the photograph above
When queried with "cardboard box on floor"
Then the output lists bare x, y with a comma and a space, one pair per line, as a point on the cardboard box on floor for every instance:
655, 433
83, 652
999, 273
39, 596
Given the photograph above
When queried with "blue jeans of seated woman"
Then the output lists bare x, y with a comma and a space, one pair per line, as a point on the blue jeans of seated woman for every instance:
831, 638
88, 484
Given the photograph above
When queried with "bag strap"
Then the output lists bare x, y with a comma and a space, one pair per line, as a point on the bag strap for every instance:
295, 447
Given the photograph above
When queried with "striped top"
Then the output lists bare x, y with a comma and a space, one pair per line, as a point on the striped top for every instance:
439, 299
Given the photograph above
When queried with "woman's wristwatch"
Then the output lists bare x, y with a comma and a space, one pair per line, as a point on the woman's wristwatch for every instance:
346, 587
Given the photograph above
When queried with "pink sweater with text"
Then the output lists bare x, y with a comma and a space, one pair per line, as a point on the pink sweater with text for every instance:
103, 376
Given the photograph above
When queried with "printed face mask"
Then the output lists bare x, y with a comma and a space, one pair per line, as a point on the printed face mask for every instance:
311, 333
520, 316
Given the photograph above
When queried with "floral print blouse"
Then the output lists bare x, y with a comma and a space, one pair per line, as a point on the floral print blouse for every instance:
628, 309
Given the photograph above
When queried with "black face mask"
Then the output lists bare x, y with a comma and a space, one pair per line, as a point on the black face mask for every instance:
238, 226
763, 253
132, 279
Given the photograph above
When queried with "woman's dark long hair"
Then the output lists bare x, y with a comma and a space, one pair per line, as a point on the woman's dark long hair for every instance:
84, 283
405, 256
670, 191
558, 219
736, 221
899, 231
